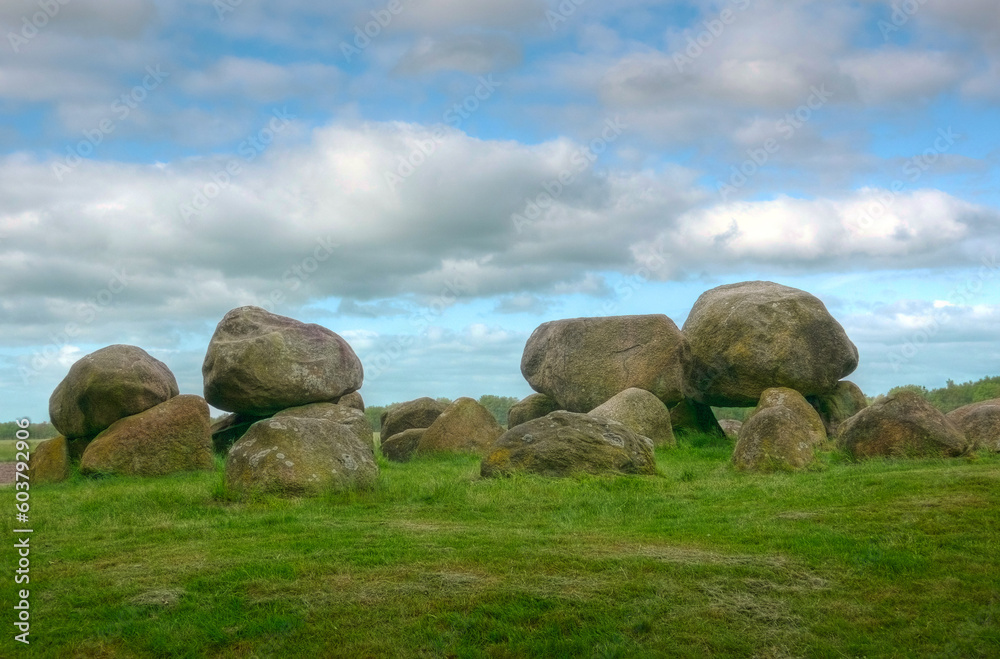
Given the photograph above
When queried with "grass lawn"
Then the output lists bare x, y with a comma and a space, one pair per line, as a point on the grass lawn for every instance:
882, 559
8, 452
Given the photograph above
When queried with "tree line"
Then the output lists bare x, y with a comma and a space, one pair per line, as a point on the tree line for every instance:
499, 407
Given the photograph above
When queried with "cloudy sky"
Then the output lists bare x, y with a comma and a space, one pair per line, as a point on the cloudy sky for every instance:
432, 179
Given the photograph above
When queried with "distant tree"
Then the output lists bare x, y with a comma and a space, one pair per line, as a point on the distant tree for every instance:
44, 430
985, 391
915, 388
374, 415
499, 406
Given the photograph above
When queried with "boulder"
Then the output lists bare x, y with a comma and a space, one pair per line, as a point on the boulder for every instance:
49, 461
980, 422
171, 437
567, 443
465, 425
690, 416
351, 417
902, 425
534, 406
642, 412
401, 446
354, 400
749, 337
228, 430
731, 427
293, 456
780, 435
259, 363
839, 405
419, 413
109, 384
582, 362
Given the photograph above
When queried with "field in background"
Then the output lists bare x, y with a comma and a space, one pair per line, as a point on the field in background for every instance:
881, 559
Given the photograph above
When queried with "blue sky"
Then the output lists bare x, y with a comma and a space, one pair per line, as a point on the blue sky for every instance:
437, 188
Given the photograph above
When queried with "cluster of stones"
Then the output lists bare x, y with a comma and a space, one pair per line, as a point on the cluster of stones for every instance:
119, 412
610, 390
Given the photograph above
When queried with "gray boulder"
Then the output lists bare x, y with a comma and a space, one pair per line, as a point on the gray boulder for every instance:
109, 384
980, 422
839, 405
690, 416
781, 434
582, 362
567, 443
749, 337
294, 456
351, 417
464, 426
403, 445
731, 427
259, 363
901, 426
419, 413
641, 412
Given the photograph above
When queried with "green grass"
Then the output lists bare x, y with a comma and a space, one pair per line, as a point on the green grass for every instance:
881, 559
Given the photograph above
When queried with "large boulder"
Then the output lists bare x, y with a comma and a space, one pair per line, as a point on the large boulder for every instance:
749, 337
351, 417
839, 405
642, 412
780, 435
567, 443
902, 425
171, 437
109, 384
259, 363
531, 407
465, 425
690, 416
293, 456
401, 446
419, 413
980, 422
49, 461
582, 362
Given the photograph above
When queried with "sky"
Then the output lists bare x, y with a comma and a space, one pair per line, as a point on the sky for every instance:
433, 179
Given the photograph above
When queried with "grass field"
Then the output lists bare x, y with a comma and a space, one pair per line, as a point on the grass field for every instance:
8, 452
882, 559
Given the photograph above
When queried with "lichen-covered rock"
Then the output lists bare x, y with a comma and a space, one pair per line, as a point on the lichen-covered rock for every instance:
531, 407
839, 405
690, 416
567, 443
419, 413
731, 427
748, 337
403, 445
109, 384
49, 461
293, 456
465, 425
642, 412
980, 422
173, 436
351, 417
903, 425
582, 362
354, 400
781, 434
259, 363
